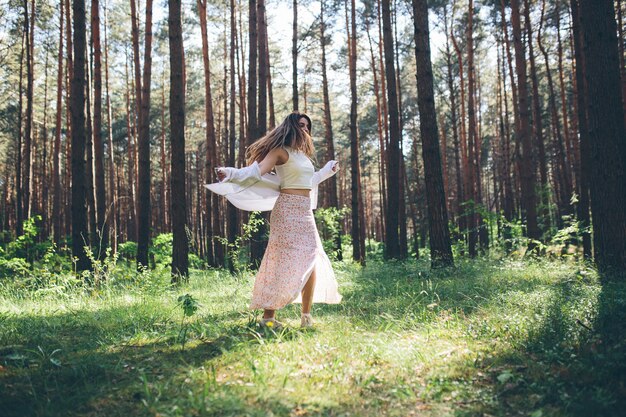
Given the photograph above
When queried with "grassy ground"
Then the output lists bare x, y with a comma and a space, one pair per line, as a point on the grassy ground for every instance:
500, 338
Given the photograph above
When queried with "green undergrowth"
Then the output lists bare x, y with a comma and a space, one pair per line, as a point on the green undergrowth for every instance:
488, 337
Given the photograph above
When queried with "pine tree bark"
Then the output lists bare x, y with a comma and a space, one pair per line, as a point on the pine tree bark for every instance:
622, 60
294, 55
56, 164
440, 248
231, 211
453, 118
131, 225
584, 167
164, 167
358, 243
263, 69
210, 139
569, 148
382, 186
258, 239
536, 112
607, 133
102, 242
113, 206
180, 250
67, 212
252, 72
19, 206
333, 200
465, 214
29, 28
80, 238
144, 181
472, 136
89, 175
392, 243
527, 174
562, 171
509, 164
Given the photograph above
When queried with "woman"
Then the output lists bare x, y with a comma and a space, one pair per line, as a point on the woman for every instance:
295, 267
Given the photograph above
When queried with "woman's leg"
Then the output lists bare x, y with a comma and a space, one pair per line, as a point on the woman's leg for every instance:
307, 294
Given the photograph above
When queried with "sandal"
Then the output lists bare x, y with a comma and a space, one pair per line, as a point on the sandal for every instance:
306, 320
271, 323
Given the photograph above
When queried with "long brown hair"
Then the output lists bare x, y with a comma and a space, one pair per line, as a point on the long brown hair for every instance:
288, 133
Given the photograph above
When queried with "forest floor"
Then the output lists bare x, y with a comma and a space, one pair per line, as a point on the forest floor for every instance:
486, 338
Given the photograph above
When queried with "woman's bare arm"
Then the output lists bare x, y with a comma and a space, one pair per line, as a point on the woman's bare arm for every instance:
275, 157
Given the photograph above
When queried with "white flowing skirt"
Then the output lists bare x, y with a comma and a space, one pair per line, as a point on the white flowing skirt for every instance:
294, 250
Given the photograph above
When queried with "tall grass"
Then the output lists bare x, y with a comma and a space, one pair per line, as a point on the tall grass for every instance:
497, 337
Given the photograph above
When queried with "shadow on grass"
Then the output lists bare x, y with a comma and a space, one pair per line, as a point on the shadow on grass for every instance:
570, 365
105, 362
570, 361
411, 292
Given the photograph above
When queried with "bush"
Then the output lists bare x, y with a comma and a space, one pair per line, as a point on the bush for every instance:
128, 250
161, 250
14, 268
328, 222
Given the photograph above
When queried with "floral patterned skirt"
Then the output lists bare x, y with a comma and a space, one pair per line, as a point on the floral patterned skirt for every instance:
294, 250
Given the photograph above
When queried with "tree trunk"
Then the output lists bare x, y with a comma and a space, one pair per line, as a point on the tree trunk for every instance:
465, 214
164, 177
113, 207
80, 239
537, 123
472, 136
402, 220
381, 138
562, 166
56, 165
89, 175
569, 148
19, 209
527, 174
258, 238
180, 253
584, 167
606, 128
270, 91
328, 126
358, 243
210, 140
392, 244
144, 180
102, 225
131, 231
252, 72
231, 211
453, 119
29, 27
294, 55
508, 163
622, 60
67, 212
440, 249
263, 69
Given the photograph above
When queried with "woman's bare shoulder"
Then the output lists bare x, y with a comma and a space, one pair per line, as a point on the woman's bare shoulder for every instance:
280, 154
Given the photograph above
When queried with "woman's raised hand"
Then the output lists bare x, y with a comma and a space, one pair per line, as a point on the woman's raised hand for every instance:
335, 167
221, 173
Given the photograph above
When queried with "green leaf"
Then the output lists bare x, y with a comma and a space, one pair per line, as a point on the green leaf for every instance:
505, 376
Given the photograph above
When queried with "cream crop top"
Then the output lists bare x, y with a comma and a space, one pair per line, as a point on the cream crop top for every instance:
297, 172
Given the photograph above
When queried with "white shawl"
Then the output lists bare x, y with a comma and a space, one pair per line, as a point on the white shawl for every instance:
261, 195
